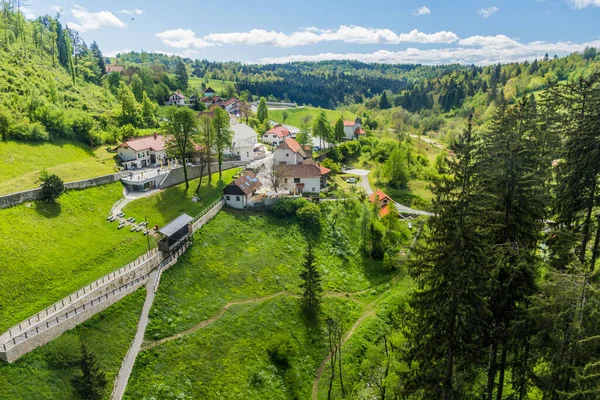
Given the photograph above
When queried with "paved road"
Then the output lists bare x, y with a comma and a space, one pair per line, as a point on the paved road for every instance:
363, 173
129, 360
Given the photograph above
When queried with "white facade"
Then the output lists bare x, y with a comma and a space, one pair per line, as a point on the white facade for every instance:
236, 201
176, 99
294, 185
242, 144
287, 156
351, 129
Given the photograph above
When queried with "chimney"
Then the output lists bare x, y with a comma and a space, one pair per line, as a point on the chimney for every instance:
155, 135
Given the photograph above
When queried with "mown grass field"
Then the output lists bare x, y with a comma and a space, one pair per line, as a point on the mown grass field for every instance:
48, 250
230, 359
295, 115
22, 162
167, 205
47, 372
217, 84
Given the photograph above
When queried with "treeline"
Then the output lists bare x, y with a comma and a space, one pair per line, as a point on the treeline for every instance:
507, 296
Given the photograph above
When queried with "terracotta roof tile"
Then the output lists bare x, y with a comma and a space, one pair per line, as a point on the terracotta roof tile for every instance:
149, 142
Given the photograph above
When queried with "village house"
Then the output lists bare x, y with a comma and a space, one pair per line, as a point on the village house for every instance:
176, 99
353, 129
114, 68
208, 92
383, 201
290, 152
301, 178
275, 136
143, 152
192, 99
232, 106
211, 101
238, 194
243, 142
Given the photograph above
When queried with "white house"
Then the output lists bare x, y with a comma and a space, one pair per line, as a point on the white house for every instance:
243, 142
302, 178
290, 152
176, 99
143, 152
232, 106
240, 192
276, 135
353, 129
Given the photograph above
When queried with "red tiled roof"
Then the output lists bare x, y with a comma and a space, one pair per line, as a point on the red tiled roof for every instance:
301, 171
349, 123
149, 142
230, 101
379, 196
248, 182
114, 68
280, 131
359, 131
294, 146
178, 94
324, 171
385, 210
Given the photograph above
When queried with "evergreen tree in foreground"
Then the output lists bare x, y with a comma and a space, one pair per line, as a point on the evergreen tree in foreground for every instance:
91, 384
444, 324
311, 283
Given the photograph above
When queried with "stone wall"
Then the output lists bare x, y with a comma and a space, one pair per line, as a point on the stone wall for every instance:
175, 176
13, 199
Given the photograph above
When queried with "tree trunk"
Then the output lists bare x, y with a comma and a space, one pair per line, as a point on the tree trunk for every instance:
491, 376
200, 180
502, 369
185, 175
340, 360
596, 245
450, 353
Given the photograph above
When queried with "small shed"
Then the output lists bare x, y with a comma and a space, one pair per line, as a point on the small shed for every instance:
175, 233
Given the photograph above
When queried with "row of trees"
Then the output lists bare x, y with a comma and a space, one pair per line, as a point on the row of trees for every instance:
507, 293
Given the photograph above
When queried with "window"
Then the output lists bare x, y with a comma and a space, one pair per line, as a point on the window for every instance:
287, 155
313, 189
228, 197
296, 180
284, 180
237, 198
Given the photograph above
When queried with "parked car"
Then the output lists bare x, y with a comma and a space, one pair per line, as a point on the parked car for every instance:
351, 180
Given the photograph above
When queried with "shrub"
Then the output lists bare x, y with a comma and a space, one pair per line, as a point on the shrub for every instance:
288, 207
29, 131
333, 166
52, 187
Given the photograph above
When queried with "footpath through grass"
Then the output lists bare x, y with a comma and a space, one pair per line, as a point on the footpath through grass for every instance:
48, 250
163, 207
295, 115
47, 372
22, 162
255, 351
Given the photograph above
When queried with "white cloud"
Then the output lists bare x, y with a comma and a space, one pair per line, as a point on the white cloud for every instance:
579, 4
498, 41
183, 39
186, 38
87, 20
422, 11
487, 12
136, 11
483, 55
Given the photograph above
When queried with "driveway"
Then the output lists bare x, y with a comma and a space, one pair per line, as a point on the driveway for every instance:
363, 173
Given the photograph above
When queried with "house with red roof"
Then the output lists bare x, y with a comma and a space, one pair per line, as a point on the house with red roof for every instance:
232, 106
384, 202
239, 193
302, 178
290, 152
353, 129
143, 152
176, 99
275, 136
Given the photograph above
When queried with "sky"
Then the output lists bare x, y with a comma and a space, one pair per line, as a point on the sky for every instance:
391, 31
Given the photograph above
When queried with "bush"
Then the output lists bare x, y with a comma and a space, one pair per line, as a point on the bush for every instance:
29, 131
333, 166
280, 350
288, 207
52, 187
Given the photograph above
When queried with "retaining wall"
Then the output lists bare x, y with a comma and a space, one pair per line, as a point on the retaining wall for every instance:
13, 199
175, 176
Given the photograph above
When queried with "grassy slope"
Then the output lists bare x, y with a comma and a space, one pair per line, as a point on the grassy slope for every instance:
295, 115
217, 84
229, 358
165, 206
40, 375
22, 162
241, 255
50, 250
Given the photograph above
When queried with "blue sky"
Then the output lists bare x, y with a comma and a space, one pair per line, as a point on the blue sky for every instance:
400, 31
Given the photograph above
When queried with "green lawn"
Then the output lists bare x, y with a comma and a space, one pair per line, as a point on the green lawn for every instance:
217, 84
167, 205
21, 163
295, 115
48, 250
240, 255
229, 359
47, 372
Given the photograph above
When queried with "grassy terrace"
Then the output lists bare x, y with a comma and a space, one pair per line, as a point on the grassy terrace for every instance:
21, 163
167, 205
49, 250
47, 372
295, 115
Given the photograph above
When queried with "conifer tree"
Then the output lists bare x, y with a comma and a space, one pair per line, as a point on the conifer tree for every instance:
311, 285
262, 113
91, 384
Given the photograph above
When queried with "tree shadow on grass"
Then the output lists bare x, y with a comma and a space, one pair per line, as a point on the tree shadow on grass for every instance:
47, 209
